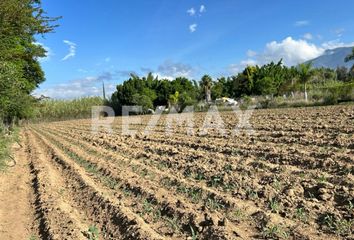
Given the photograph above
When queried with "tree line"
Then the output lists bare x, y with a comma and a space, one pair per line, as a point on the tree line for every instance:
273, 79
21, 21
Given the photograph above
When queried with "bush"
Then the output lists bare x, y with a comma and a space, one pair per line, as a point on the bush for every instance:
338, 92
246, 101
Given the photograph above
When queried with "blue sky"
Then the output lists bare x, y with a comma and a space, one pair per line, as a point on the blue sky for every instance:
106, 40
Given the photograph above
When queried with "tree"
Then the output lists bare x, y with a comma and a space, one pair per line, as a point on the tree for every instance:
350, 56
342, 74
206, 84
156, 92
248, 79
143, 101
265, 86
185, 100
269, 79
351, 73
305, 73
218, 89
14, 103
20, 22
289, 82
163, 91
243, 83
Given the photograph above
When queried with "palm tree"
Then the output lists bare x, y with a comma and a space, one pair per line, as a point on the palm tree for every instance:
350, 56
305, 74
206, 84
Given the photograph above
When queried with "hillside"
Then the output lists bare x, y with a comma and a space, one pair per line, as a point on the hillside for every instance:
333, 58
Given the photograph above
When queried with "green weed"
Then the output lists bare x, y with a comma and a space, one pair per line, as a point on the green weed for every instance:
93, 233
301, 214
274, 205
337, 225
274, 232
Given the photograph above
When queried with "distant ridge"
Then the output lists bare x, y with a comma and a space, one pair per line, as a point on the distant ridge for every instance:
333, 58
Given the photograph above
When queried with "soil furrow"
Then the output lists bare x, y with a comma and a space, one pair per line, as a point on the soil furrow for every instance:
113, 220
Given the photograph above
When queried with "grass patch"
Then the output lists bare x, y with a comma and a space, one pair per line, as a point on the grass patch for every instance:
275, 232
237, 215
33, 237
274, 205
301, 214
336, 225
7, 137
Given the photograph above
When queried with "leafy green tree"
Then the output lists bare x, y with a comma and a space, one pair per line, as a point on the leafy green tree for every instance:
243, 83
248, 79
265, 86
305, 73
269, 79
143, 101
342, 74
350, 56
14, 102
21, 73
351, 73
289, 83
163, 90
185, 100
217, 90
150, 93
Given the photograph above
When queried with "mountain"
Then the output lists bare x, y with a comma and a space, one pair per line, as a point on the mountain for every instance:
333, 58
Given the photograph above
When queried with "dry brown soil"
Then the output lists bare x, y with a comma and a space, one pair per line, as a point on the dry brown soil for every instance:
292, 179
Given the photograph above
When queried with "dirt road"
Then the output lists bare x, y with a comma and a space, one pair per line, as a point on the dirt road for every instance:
16, 198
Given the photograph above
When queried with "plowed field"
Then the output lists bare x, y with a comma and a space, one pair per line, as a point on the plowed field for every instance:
292, 179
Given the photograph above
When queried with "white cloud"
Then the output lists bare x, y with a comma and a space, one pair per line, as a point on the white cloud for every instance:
236, 68
251, 53
308, 36
191, 12
292, 52
108, 59
193, 27
88, 86
249, 62
301, 23
72, 50
339, 32
171, 70
336, 44
202, 9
